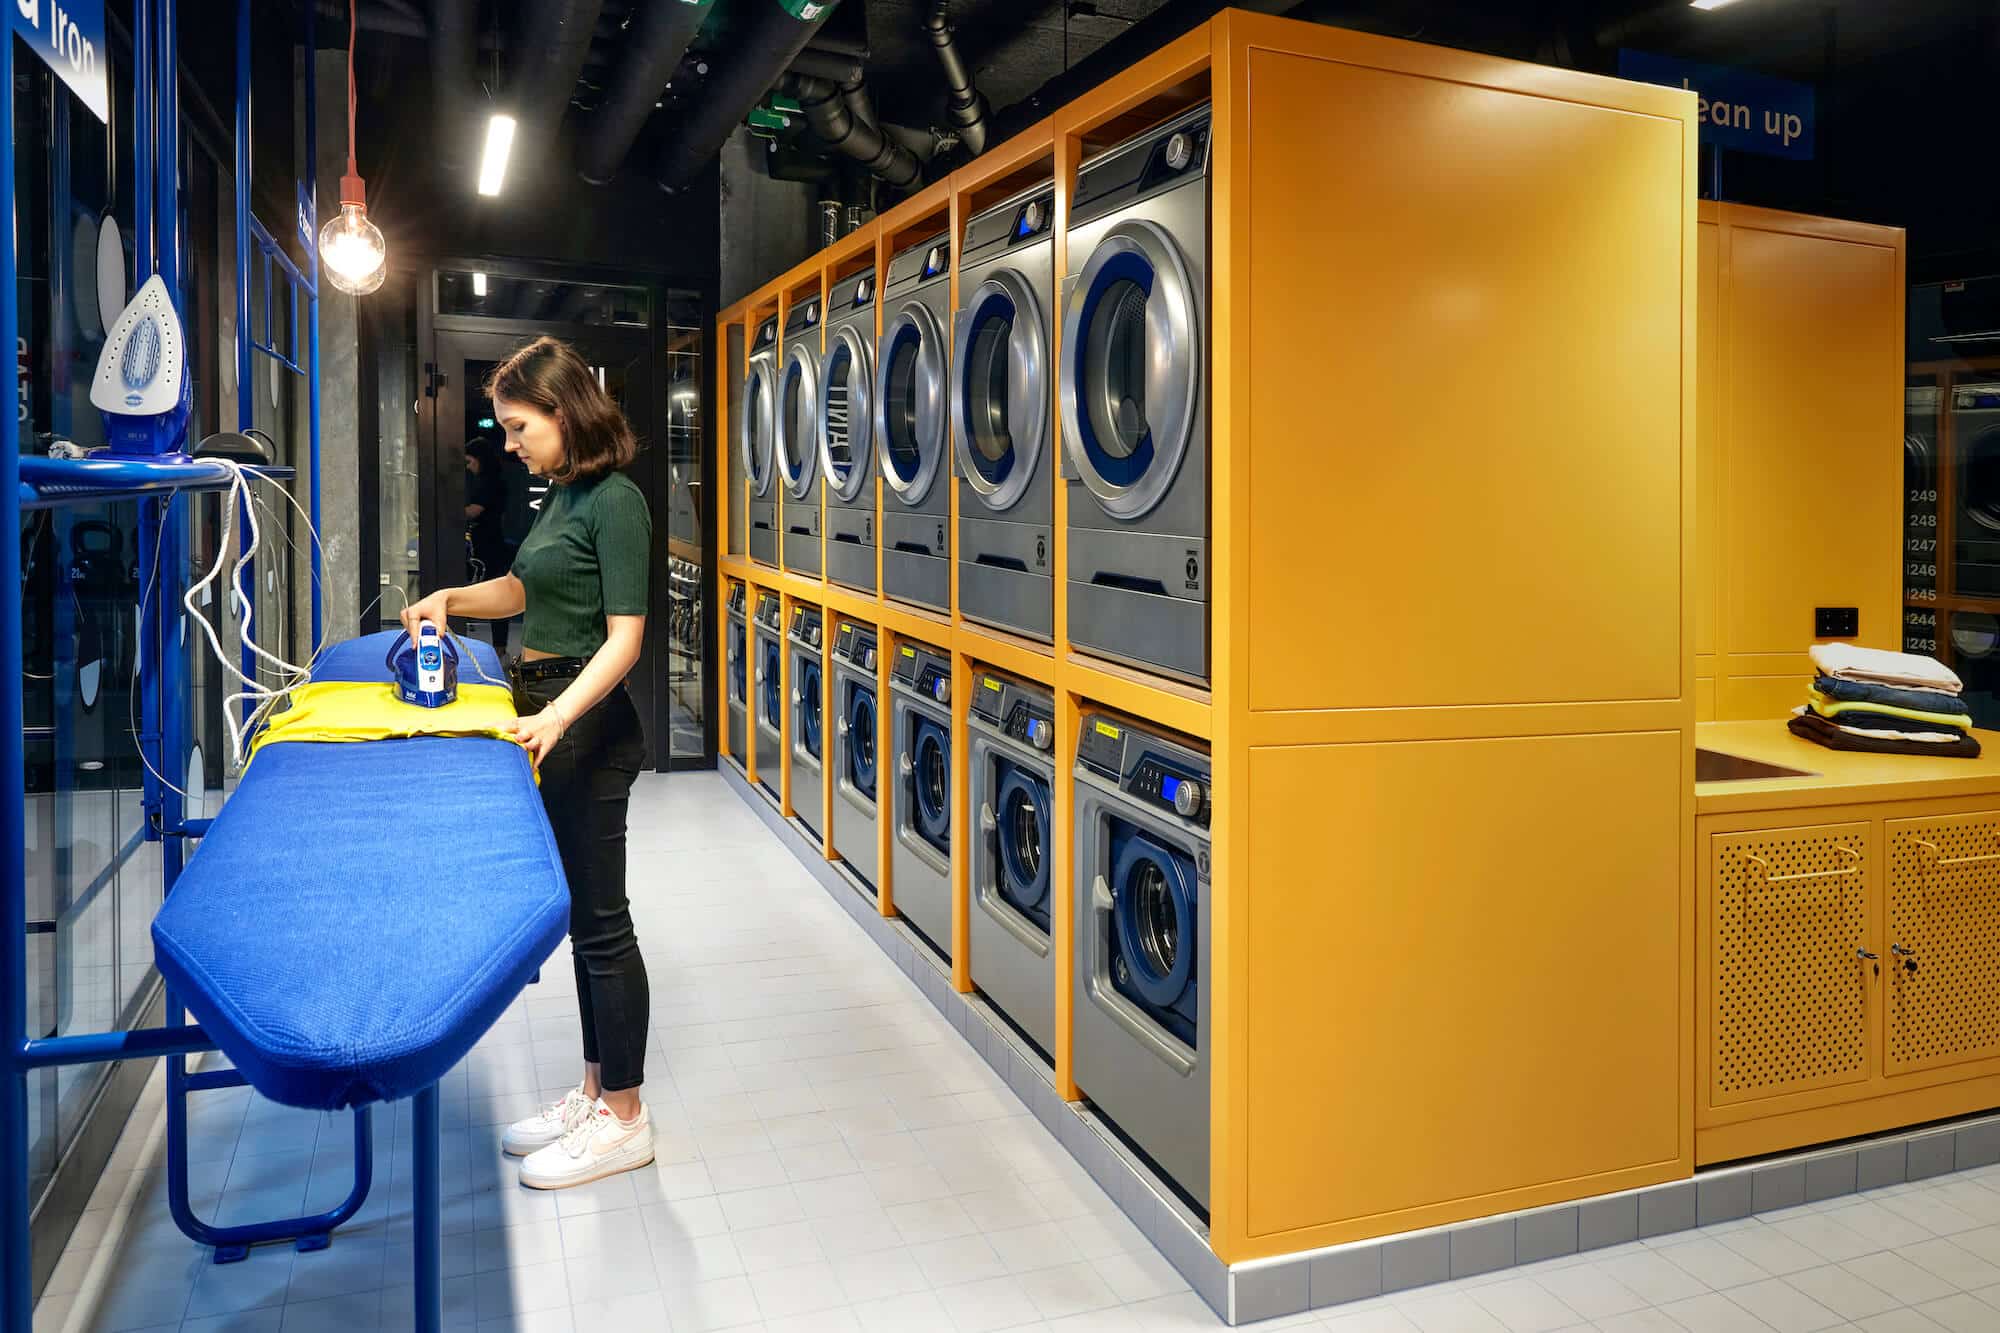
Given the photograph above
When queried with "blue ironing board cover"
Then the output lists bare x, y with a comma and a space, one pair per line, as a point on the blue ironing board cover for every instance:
361, 659
361, 913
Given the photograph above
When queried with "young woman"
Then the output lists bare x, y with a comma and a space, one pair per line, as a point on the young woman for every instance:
579, 581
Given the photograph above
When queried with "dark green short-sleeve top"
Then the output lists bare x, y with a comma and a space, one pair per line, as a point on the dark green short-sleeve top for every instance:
585, 558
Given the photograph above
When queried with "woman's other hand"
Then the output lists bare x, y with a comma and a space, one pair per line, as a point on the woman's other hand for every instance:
539, 734
432, 610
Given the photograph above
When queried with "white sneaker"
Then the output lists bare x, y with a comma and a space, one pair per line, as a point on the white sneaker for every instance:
596, 1146
546, 1125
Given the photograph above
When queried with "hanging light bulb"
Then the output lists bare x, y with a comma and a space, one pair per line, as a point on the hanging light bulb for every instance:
350, 246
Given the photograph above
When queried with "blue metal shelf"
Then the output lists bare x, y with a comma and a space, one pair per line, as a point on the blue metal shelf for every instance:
49, 482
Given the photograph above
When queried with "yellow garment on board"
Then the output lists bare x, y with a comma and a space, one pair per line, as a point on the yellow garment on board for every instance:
340, 710
1833, 708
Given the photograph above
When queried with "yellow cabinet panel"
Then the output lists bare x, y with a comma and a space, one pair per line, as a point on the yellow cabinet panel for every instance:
1461, 393
1813, 338
1708, 435
1788, 985
1467, 971
1944, 908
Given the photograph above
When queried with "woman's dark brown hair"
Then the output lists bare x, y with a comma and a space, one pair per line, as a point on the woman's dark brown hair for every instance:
549, 376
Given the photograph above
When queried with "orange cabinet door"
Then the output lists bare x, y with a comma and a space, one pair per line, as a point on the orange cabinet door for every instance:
1788, 977
1943, 958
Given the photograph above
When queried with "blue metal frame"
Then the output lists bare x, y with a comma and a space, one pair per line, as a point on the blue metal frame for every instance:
33, 483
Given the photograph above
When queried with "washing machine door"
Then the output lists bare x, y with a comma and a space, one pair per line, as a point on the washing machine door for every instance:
861, 740
753, 429
1000, 389
1153, 922
846, 417
930, 781
809, 707
910, 403
1021, 818
772, 703
796, 415
1131, 368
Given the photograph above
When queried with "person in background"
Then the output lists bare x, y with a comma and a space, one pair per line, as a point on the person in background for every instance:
579, 582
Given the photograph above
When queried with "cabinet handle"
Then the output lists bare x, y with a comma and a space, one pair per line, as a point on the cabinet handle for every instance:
1939, 861
1863, 953
1772, 880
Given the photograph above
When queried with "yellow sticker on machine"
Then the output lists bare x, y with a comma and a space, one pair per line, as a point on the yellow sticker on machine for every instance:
992, 684
1106, 729
909, 652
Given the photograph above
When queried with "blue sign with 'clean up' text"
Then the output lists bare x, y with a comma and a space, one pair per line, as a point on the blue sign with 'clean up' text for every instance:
1752, 113
69, 37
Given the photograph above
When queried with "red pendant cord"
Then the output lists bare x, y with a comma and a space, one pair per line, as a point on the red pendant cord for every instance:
352, 190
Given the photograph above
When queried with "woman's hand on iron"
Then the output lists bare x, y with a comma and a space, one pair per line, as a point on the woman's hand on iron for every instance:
432, 610
539, 734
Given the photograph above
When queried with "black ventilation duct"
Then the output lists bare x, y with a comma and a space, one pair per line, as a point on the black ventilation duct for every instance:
663, 31
832, 114
454, 38
555, 39
965, 108
760, 50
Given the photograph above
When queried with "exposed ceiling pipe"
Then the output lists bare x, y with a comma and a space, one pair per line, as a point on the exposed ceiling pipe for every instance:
828, 65
831, 116
453, 38
664, 30
768, 41
555, 39
965, 107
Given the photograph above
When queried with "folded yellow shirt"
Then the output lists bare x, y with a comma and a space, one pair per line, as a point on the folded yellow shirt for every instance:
339, 710
1826, 707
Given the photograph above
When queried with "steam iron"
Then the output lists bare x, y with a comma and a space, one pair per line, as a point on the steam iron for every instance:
426, 671
142, 385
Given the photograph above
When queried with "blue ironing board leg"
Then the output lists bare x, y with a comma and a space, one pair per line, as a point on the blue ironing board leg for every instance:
428, 1209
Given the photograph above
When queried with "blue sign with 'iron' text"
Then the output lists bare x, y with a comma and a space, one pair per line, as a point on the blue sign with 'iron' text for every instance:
69, 37
1752, 113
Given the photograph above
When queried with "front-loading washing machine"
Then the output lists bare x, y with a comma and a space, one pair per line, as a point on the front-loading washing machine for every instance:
1011, 728
1001, 390
755, 424
797, 437
912, 436
1134, 414
808, 729
920, 867
738, 651
1142, 929
847, 433
853, 760
767, 650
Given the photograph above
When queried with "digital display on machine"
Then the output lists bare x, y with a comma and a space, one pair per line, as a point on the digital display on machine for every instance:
1169, 786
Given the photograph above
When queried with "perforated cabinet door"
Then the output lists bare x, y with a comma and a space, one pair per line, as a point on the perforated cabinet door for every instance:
1944, 910
1788, 984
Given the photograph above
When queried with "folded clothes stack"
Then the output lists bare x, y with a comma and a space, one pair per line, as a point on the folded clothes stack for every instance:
1884, 703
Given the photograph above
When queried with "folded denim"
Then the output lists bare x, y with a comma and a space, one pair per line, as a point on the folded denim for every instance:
1868, 692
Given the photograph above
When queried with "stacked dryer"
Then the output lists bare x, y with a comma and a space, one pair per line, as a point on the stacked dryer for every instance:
767, 656
739, 675
756, 420
808, 729
853, 765
1012, 806
1141, 1014
911, 434
920, 686
847, 433
1000, 391
1134, 411
797, 436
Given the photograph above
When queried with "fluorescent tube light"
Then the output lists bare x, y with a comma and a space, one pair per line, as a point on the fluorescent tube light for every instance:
1710, 4
493, 161
479, 284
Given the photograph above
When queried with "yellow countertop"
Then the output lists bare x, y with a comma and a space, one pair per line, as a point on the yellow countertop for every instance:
1835, 777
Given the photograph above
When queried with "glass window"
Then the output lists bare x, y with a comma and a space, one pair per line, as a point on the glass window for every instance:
542, 300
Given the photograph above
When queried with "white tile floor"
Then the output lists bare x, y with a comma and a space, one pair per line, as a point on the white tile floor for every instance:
833, 1157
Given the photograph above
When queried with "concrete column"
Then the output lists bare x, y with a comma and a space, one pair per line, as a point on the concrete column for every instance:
767, 225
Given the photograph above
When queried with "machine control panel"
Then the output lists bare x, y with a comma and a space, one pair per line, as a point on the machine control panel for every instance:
861, 291
1024, 714
1021, 220
1175, 150
921, 263
924, 670
767, 335
802, 317
1158, 771
769, 612
736, 600
855, 646
806, 625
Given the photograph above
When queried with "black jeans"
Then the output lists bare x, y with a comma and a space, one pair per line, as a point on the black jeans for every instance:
586, 786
